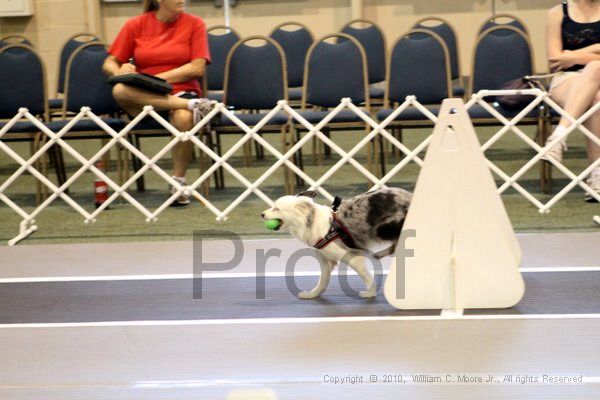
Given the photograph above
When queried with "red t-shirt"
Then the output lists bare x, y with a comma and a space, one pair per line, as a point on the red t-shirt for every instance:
158, 46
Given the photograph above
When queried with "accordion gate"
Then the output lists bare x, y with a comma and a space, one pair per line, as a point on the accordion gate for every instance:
27, 225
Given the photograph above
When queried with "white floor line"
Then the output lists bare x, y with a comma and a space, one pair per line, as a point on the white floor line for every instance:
231, 275
272, 321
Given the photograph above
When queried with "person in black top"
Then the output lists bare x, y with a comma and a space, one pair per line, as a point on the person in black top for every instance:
573, 45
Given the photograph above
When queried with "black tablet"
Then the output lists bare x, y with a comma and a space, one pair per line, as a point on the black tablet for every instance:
143, 81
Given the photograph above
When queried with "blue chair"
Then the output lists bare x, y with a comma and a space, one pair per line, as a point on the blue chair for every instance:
334, 71
220, 45
87, 86
503, 20
448, 34
68, 48
23, 84
491, 70
420, 66
372, 39
295, 43
247, 91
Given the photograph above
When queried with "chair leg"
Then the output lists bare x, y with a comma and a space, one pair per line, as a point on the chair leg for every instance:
105, 156
260, 152
33, 147
221, 177
286, 172
315, 146
298, 157
544, 125
210, 142
44, 159
204, 186
327, 149
247, 149
382, 153
140, 182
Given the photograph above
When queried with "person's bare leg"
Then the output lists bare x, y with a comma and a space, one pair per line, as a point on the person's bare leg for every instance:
132, 99
182, 151
577, 94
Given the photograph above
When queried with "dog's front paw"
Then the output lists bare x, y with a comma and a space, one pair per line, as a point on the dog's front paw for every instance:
307, 295
367, 294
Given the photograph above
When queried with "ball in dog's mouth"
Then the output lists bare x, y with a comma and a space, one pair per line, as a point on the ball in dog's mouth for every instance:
273, 224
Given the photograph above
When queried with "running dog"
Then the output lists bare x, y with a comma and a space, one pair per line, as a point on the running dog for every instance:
344, 231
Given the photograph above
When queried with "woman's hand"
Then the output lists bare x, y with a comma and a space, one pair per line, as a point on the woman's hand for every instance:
563, 60
126, 68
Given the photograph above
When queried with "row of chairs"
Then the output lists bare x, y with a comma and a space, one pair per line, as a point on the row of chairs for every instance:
296, 38
419, 64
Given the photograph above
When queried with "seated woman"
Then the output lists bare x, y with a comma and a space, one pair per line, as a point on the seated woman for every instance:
573, 39
166, 42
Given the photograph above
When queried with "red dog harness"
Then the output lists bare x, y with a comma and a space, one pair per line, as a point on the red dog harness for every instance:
337, 230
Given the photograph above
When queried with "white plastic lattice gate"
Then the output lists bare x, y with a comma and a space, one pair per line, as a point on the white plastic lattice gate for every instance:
27, 225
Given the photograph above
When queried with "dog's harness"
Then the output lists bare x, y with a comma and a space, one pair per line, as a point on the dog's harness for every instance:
337, 230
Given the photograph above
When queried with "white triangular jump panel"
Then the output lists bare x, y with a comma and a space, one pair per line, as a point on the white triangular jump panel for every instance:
465, 251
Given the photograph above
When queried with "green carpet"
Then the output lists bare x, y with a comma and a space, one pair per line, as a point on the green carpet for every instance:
59, 223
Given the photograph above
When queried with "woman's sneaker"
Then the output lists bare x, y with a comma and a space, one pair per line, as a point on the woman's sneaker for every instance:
182, 199
556, 151
594, 182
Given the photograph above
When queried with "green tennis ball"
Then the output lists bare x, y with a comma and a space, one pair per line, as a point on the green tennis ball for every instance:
272, 224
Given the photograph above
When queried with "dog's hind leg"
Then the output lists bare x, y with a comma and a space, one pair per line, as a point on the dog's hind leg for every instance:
326, 268
357, 261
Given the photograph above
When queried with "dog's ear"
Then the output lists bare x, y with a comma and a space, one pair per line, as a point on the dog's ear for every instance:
309, 193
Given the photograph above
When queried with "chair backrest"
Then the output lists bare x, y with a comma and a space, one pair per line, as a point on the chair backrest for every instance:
295, 43
22, 81
448, 35
68, 48
419, 65
373, 42
255, 76
220, 45
503, 20
501, 54
85, 83
334, 71
15, 39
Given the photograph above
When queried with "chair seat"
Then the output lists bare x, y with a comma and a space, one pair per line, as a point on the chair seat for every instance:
86, 125
252, 119
21, 127
216, 96
478, 112
458, 90
410, 114
376, 92
55, 104
314, 117
295, 93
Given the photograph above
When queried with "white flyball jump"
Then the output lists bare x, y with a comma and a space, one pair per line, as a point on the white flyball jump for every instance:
465, 253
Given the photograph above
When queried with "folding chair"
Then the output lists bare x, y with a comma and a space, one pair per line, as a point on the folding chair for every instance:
419, 65
87, 86
491, 69
448, 34
334, 71
220, 41
67, 49
23, 84
255, 79
372, 39
295, 43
